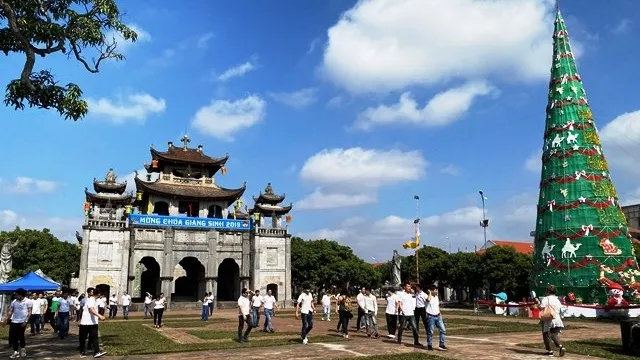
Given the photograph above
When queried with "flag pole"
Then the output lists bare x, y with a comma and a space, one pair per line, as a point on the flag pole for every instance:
416, 224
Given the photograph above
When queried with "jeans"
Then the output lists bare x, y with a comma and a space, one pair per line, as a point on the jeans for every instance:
553, 335
244, 319
421, 314
327, 312
345, 316
113, 311
125, 311
205, 312
90, 331
359, 323
35, 320
157, 316
392, 323
256, 316
268, 325
16, 335
307, 324
147, 310
371, 323
437, 322
63, 324
411, 321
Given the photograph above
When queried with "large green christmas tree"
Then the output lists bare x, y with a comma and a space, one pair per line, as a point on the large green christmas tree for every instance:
582, 239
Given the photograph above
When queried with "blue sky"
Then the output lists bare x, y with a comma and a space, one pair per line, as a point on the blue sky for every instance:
350, 108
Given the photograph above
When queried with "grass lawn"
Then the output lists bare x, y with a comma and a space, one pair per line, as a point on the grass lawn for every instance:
607, 348
129, 338
406, 356
195, 323
210, 335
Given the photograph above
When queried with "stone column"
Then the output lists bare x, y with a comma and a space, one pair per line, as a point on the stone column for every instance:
211, 267
166, 272
254, 272
246, 255
124, 274
287, 296
84, 261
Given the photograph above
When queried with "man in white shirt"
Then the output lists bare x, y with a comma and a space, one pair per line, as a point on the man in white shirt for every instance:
36, 314
147, 305
256, 305
89, 325
19, 314
305, 308
244, 309
270, 306
406, 307
360, 301
391, 313
370, 313
326, 307
126, 302
113, 307
65, 305
421, 312
434, 318
211, 303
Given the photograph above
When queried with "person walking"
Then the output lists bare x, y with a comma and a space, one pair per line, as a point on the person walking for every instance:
421, 310
19, 315
270, 306
391, 313
345, 308
406, 307
63, 315
89, 326
204, 315
304, 309
256, 305
113, 307
158, 310
35, 319
125, 300
212, 300
148, 299
371, 314
360, 301
552, 324
244, 310
434, 319
326, 307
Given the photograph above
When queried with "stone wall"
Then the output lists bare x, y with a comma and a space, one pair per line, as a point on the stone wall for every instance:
104, 260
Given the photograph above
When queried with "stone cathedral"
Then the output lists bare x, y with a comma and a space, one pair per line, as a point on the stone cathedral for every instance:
182, 234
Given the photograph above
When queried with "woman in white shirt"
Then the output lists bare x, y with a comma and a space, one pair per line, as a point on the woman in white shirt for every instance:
551, 328
205, 308
391, 313
158, 310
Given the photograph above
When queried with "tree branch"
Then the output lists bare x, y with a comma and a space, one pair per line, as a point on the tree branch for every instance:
49, 49
28, 49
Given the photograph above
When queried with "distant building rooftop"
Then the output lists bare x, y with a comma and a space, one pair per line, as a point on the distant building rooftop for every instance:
522, 247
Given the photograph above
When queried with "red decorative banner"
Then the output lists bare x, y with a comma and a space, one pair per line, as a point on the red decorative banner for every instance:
572, 178
586, 261
567, 127
580, 233
569, 153
558, 104
552, 206
566, 78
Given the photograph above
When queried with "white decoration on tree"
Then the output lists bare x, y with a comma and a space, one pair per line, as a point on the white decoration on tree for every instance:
580, 174
597, 149
560, 90
564, 192
576, 148
574, 90
587, 228
557, 141
565, 164
546, 250
569, 249
582, 199
572, 138
550, 204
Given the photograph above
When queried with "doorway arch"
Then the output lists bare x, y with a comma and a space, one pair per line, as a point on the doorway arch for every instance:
104, 290
150, 276
161, 208
228, 280
215, 211
274, 290
191, 286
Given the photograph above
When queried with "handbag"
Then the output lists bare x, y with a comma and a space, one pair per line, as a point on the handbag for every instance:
547, 314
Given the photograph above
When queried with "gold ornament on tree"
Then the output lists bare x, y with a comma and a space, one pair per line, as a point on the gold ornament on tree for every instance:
597, 163
585, 114
611, 216
604, 189
592, 138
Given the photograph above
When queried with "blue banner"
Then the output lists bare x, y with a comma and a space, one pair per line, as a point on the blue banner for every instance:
189, 222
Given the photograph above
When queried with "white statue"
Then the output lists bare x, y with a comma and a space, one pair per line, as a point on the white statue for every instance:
6, 261
396, 261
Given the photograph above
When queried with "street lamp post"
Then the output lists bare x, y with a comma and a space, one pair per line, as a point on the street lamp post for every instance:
484, 223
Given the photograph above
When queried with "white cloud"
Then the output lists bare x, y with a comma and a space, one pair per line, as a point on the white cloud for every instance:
622, 27
318, 200
137, 107
351, 177
297, 99
313, 45
382, 45
534, 162
62, 227
203, 40
443, 109
458, 228
335, 102
620, 142
451, 170
27, 185
222, 119
126, 45
236, 71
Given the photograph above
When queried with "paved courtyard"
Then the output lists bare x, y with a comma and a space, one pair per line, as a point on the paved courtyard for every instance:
491, 346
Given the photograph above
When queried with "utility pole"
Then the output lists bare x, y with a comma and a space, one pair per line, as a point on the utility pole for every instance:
416, 224
484, 223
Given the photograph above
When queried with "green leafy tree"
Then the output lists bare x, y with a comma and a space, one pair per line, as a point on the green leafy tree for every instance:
463, 275
506, 270
432, 266
76, 28
40, 249
324, 264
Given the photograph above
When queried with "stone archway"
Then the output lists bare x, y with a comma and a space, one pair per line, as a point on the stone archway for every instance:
228, 280
191, 286
274, 290
149, 276
104, 290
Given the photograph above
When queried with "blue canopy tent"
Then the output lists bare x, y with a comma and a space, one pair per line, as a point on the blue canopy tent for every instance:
30, 282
